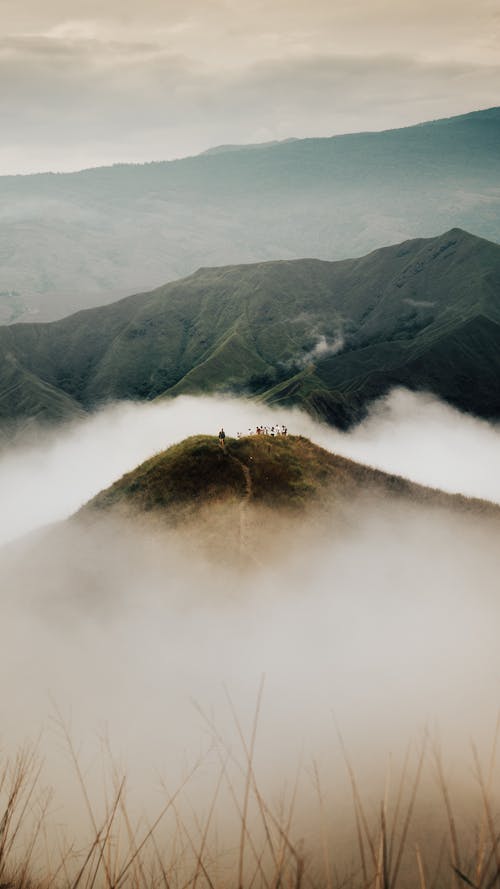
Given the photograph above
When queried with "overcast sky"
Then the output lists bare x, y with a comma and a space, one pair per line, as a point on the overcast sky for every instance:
88, 82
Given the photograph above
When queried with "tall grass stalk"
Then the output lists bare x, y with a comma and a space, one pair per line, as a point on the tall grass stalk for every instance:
266, 845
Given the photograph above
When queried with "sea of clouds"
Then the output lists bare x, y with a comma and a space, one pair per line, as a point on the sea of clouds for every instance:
48, 477
386, 627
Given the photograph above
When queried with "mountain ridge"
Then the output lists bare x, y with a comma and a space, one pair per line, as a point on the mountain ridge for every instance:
327, 336
490, 113
76, 240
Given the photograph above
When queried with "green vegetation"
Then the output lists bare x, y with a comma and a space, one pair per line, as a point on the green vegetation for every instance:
194, 471
72, 241
329, 337
282, 472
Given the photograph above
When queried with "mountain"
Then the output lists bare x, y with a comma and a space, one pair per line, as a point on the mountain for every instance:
260, 504
329, 337
283, 472
70, 241
247, 504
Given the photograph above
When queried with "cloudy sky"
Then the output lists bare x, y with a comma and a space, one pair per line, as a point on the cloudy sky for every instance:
87, 82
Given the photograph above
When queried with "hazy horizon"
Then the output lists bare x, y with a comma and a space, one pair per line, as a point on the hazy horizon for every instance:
236, 145
82, 87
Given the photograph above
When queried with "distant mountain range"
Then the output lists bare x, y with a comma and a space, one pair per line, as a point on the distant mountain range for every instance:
327, 336
70, 241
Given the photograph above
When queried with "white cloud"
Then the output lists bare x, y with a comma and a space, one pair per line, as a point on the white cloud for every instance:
412, 435
389, 618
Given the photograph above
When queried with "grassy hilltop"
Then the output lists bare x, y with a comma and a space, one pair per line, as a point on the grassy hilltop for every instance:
279, 472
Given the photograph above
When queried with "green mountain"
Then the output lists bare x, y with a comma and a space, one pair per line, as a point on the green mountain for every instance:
327, 336
70, 241
277, 473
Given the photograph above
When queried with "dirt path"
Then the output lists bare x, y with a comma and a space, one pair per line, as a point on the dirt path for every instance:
244, 503
246, 549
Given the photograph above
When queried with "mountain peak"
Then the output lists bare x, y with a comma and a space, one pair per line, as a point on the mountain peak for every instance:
271, 470
250, 501
460, 234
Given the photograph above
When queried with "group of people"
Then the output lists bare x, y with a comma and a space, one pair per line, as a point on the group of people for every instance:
259, 430
265, 430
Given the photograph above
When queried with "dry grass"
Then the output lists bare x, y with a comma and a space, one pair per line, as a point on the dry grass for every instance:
181, 846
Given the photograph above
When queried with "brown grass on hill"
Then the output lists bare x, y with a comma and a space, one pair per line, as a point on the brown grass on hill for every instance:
285, 471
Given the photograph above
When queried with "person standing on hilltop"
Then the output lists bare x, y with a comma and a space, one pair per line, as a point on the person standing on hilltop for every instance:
222, 439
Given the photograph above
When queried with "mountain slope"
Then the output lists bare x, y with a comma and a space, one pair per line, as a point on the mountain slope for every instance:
69, 241
327, 336
264, 494
278, 473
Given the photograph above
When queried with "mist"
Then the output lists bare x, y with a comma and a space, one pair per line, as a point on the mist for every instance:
381, 620
49, 475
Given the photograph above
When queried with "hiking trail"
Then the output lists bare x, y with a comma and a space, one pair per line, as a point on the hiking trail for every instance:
243, 505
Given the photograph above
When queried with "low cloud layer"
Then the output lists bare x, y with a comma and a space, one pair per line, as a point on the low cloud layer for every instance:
413, 435
385, 623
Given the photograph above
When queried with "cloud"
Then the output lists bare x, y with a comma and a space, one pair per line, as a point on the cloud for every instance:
254, 29
417, 436
388, 617
323, 347
414, 435
80, 94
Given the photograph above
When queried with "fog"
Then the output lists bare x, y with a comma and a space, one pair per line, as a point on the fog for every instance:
381, 619
48, 475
